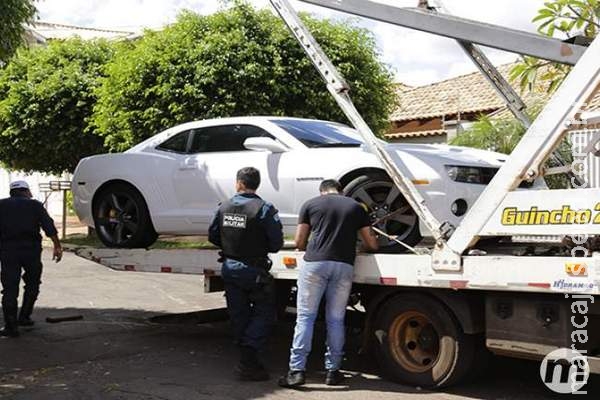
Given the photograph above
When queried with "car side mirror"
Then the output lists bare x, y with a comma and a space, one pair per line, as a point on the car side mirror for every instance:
264, 144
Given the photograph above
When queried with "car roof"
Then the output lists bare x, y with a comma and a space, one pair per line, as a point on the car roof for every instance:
239, 120
254, 118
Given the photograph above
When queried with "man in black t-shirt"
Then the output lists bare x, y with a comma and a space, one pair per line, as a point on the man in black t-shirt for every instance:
334, 222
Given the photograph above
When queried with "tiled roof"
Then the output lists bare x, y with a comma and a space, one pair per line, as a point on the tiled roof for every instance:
61, 31
401, 87
465, 94
400, 135
469, 93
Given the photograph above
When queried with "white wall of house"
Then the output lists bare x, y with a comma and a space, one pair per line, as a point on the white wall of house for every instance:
54, 202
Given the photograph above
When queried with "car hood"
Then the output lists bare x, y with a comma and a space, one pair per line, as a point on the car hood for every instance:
450, 155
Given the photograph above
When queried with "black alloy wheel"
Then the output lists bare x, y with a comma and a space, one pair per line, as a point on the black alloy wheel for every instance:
388, 209
122, 219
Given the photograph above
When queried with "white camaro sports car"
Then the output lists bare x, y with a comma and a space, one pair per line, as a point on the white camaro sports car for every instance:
173, 182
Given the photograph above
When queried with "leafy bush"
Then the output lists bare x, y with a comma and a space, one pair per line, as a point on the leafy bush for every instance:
46, 98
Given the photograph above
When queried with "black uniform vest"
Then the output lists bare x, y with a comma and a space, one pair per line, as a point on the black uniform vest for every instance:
242, 236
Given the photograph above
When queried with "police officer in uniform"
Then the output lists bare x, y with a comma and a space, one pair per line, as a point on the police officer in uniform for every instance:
21, 218
247, 228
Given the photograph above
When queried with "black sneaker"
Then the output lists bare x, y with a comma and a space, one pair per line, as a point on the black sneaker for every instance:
334, 378
292, 379
26, 322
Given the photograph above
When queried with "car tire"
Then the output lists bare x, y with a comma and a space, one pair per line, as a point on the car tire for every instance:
373, 192
418, 342
121, 217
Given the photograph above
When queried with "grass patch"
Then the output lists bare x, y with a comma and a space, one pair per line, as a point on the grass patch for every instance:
81, 240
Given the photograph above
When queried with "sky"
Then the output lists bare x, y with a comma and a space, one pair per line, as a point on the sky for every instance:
415, 58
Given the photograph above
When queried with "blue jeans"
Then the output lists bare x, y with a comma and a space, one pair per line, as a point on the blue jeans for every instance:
250, 303
334, 279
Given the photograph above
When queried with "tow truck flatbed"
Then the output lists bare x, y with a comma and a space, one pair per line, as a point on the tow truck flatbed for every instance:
538, 274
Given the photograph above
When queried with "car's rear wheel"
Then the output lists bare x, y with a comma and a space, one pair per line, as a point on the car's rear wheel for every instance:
121, 217
388, 209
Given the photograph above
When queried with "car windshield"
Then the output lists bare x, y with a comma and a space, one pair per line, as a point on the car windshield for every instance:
320, 133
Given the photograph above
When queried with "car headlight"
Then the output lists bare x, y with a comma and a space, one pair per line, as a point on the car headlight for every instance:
477, 175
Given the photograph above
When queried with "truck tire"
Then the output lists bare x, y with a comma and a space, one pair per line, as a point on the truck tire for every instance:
419, 342
378, 195
121, 217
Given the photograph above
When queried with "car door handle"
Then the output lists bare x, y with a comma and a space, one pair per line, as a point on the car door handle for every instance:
188, 163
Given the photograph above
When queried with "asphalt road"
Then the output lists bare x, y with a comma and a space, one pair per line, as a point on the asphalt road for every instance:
129, 345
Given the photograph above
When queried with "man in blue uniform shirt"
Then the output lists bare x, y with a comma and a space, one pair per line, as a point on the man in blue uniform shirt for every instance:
247, 228
21, 218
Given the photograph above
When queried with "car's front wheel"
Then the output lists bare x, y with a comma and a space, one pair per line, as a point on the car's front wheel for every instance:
121, 217
388, 209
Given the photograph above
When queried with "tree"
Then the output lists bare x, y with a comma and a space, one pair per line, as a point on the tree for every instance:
496, 133
238, 61
501, 135
13, 14
564, 18
46, 98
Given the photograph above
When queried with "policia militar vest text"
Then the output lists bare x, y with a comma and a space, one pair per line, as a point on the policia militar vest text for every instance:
242, 237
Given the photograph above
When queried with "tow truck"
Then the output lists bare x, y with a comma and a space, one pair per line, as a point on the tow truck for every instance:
431, 316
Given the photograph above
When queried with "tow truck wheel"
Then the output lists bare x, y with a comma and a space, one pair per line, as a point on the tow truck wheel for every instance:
419, 342
121, 217
388, 210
